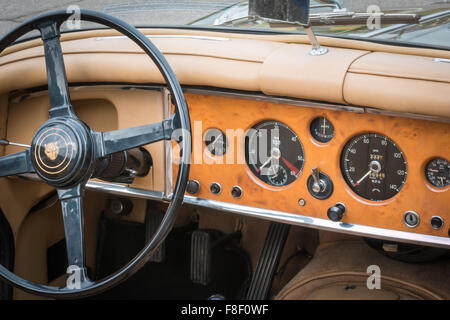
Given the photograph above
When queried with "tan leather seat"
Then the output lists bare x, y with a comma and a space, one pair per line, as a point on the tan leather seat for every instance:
339, 271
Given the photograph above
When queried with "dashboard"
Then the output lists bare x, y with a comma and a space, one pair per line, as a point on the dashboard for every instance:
355, 141
360, 147
338, 163
328, 166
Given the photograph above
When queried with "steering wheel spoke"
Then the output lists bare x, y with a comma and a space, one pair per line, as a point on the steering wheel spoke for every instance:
72, 211
120, 140
16, 163
58, 88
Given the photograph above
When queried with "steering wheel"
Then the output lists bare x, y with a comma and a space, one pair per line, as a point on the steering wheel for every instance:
64, 153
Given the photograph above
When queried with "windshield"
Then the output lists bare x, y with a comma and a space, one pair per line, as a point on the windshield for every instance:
412, 22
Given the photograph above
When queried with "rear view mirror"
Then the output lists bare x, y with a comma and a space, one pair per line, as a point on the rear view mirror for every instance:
295, 11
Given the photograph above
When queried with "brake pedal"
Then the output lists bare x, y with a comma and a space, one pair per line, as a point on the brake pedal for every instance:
268, 261
152, 221
200, 257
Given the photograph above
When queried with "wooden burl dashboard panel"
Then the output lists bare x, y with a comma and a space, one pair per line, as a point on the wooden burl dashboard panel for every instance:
420, 141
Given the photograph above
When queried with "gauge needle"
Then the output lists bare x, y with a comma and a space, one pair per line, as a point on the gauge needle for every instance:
365, 176
290, 166
442, 180
213, 144
264, 164
324, 125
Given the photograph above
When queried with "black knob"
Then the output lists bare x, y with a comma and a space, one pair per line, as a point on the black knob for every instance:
336, 212
192, 186
236, 192
120, 206
215, 188
436, 222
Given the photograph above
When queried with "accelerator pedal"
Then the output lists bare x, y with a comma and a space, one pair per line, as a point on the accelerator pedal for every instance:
153, 220
268, 261
201, 257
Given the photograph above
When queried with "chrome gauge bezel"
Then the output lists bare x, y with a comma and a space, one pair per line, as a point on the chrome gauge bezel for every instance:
326, 125
377, 173
215, 148
296, 147
430, 175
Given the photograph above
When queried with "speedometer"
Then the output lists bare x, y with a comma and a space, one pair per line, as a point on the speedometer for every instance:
373, 166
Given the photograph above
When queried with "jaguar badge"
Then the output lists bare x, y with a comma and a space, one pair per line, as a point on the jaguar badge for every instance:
52, 150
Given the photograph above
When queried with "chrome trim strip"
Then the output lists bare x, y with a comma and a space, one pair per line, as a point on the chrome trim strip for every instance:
317, 223
111, 188
406, 115
442, 60
125, 190
279, 216
314, 104
271, 215
278, 100
401, 26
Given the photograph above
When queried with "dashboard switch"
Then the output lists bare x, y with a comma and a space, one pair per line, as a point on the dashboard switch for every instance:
336, 212
120, 206
215, 188
193, 186
319, 184
436, 222
411, 219
236, 192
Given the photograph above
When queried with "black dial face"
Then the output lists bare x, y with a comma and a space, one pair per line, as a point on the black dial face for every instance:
437, 172
322, 129
274, 153
216, 142
278, 176
373, 166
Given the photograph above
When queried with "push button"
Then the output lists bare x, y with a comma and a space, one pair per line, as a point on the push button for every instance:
215, 188
436, 222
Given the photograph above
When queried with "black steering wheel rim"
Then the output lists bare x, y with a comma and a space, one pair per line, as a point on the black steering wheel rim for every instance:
181, 121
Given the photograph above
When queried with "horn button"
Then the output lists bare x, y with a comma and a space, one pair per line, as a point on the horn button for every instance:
61, 152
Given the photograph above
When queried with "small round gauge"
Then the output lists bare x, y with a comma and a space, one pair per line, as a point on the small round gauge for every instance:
322, 129
278, 176
373, 166
437, 172
274, 153
216, 142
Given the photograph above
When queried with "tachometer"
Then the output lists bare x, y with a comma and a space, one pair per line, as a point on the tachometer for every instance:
274, 153
373, 166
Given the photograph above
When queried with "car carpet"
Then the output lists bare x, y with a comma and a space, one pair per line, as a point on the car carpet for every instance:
120, 241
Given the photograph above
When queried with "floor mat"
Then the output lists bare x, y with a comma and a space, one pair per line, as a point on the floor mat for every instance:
119, 242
